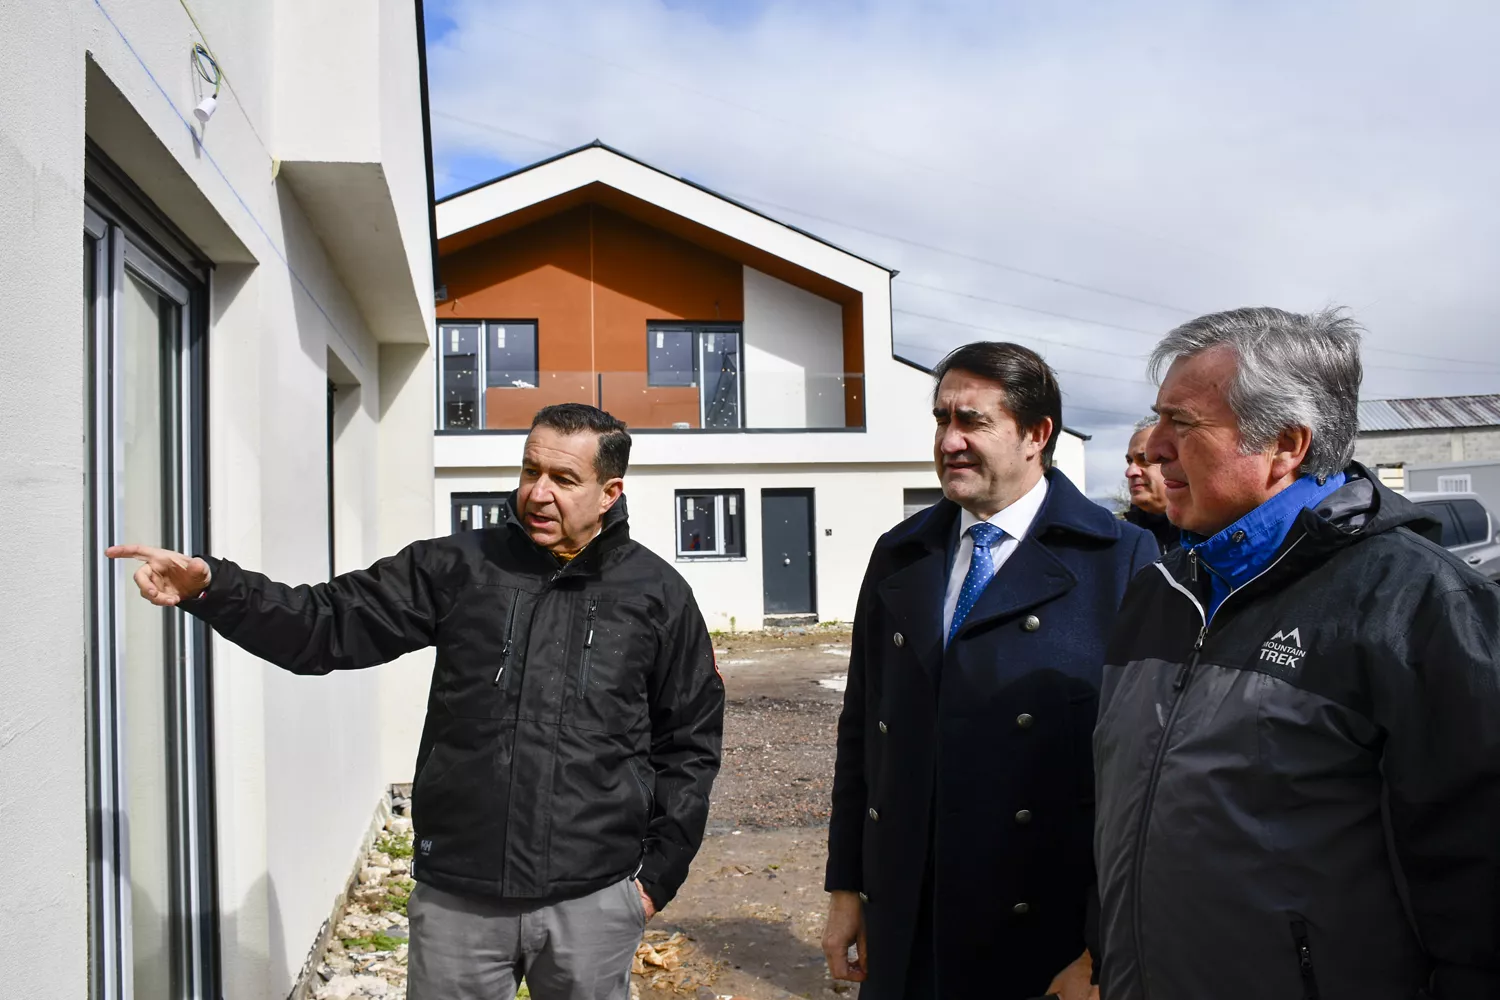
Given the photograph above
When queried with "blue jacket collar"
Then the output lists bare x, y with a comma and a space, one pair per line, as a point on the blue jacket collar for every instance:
1242, 551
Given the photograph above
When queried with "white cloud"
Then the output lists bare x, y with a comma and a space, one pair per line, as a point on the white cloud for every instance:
1198, 155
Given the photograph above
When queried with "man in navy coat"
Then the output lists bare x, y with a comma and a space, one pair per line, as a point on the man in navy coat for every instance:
960, 845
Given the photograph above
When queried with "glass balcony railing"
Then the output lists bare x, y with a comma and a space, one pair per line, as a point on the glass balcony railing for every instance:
726, 401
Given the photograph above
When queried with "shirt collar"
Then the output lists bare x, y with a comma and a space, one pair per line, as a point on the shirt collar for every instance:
1014, 520
1244, 549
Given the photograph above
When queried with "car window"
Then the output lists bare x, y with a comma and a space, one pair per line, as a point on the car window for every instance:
1473, 519
1443, 514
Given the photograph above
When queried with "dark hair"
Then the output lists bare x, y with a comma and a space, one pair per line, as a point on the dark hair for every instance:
575, 418
1031, 392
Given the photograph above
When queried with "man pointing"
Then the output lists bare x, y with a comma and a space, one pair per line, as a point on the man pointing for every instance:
573, 727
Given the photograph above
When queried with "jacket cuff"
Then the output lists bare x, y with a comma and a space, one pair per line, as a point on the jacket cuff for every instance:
220, 582
843, 873
654, 879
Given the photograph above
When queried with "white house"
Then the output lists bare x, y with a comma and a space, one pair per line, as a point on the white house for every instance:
776, 434
216, 338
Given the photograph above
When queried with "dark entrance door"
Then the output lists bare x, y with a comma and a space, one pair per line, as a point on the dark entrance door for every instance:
788, 563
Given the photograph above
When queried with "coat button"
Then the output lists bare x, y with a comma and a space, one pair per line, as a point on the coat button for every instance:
863, 898
882, 728
899, 639
1031, 623
1023, 816
874, 814
1021, 909
1024, 720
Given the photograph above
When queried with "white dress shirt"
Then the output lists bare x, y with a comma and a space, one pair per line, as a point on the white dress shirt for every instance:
1014, 520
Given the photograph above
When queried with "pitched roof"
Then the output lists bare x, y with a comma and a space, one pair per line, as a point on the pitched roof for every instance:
1429, 413
597, 144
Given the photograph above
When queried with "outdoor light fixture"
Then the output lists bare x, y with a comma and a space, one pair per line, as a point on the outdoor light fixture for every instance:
205, 109
208, 68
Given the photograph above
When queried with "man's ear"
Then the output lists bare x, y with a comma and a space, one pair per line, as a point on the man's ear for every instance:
1288, 451
612, 490
1038, 436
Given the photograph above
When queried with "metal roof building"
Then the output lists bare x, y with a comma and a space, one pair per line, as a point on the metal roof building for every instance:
1400, 434
1428, 413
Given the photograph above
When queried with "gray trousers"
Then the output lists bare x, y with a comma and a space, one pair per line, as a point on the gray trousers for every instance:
465, 948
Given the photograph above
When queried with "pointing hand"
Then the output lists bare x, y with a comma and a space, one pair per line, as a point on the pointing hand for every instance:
166, 577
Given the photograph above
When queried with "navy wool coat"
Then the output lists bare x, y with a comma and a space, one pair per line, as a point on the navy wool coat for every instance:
981, 753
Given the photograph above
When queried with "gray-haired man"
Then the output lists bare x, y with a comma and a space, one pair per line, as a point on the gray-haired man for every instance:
1298, 752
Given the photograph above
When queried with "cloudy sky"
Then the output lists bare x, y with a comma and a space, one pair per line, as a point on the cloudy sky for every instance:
1078, 177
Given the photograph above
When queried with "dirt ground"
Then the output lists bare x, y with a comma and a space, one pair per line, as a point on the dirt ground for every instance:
752, 908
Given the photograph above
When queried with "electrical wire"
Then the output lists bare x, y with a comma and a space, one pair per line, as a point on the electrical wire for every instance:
200, 53
244, 205
548, 143
751, 199
850, 141
872, 232
207, 48
1024, 336
1032, 309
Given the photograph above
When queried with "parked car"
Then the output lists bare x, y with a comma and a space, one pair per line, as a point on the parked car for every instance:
1469, 528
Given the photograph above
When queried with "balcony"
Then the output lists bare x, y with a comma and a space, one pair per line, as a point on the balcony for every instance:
726, 400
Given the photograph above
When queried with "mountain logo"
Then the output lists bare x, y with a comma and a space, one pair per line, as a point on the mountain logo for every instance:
1284, 649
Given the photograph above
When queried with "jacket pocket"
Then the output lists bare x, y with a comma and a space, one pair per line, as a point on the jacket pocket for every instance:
1304, 960
588, 647
646, 789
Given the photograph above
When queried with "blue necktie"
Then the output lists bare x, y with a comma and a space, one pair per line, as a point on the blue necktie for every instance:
981, 569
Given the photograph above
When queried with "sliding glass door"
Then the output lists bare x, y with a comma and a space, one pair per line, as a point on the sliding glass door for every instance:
151, 875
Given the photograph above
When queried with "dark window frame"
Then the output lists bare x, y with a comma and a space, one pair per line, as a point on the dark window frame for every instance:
120, 221
481, 357
464, 501
729, 513
699, 330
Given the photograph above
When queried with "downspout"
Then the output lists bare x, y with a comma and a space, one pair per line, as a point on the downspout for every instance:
440, 291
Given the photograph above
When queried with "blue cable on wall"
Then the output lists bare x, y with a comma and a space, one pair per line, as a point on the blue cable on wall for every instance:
275, 248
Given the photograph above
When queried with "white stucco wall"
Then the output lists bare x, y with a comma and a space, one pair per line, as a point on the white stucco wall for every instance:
299, 761
853, 506
794, 355
1068, 456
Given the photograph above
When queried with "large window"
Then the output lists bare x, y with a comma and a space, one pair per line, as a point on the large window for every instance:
704, 355
150, 779
477, 356
478, 510
710, 524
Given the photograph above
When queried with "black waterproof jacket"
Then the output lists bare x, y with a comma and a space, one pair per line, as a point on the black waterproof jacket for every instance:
1168, 536
576, 715
1302, 799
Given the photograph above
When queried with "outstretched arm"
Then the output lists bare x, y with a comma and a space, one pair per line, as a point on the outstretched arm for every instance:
355, 620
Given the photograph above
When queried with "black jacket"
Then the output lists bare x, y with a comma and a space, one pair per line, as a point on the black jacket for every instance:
1303, 798
1168, 536
576, 715
975, 758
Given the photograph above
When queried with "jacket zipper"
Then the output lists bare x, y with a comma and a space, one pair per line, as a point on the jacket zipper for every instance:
588, 648
1179, 684
1304, 961
510, 628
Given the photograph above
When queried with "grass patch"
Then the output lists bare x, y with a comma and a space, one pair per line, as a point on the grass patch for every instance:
375, 942
397, 893
395, 845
